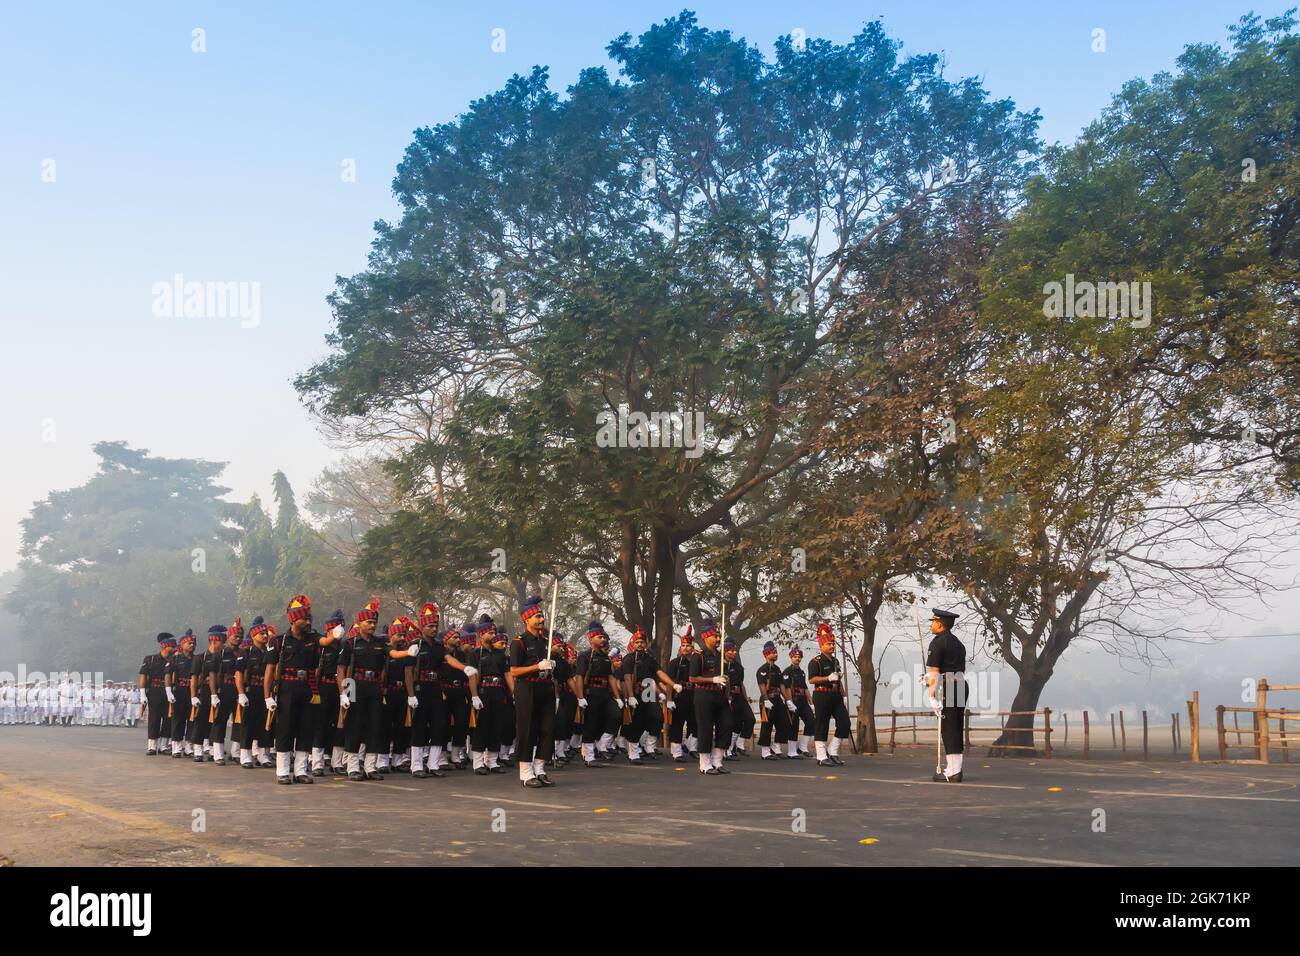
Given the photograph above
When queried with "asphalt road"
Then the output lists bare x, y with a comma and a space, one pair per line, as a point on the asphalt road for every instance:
88, 796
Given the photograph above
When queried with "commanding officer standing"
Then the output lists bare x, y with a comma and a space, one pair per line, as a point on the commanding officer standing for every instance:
946, 663
828, 699
254, 738
772, 701
227, 694
153, 681
288, 666
712, 712
178, 693
531, 667
642, 678
796, 694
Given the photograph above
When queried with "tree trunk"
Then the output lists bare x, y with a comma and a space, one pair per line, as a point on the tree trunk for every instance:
866, 731
1016, 740
660, 629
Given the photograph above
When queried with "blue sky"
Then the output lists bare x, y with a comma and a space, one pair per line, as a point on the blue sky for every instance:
226, 166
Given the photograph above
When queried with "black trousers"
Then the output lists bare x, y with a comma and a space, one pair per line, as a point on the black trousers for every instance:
712, 718
457, 710
201, 725
535, 718
742, 718
509, 728
293, 717
397, 736
252, 722
429, 722
645, 719
828, 704
157, 720
226, 698
180, 714
326, 719
490, 722
565, 715
952, 721
683, 717
601, 716
778, 719
803, 713
364, 721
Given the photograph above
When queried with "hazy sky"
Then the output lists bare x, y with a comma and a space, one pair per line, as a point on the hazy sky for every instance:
226, 166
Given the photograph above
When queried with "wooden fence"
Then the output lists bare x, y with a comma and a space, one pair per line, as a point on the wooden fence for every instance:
1259, 737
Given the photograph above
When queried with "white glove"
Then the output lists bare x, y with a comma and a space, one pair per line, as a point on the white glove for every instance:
194, 702
934, 706
631, 702
790, 705
243, 700
344, 702
582, 702
337, 633
470, 671
545, 664
677, 688
477, 702
413, 702
618, 702
413, 650
171, 698
720, 681
671, 705
270, 703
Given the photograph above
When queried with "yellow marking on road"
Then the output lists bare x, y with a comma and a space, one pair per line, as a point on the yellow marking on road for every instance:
868, 841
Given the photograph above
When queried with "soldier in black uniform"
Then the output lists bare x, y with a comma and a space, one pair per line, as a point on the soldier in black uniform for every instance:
796, 696
286, 684
594, 685
399, 699
532, 667
742, 712
225, 693
566, 706
642, 678
361, 667
772, 704
488, 698
681, 731
202, 681
455, 688
828, 699
511, 724
429, 719
712, 708
325, 702
254, 738
945, 676
153, 674
178, 693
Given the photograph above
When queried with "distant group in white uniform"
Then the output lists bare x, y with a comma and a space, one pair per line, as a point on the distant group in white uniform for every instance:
70, 703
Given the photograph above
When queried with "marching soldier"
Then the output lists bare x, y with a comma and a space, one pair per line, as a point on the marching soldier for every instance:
712, 711
398, 700
488, 698
510, 727
772, 703
455, 686
945, 676
796, 696
566, 705
429, 717
178, 695
254, 738
642, 678
681, 732
287, 691
602, 712
531, 666
828, 699
364, 662
227, 694
202, 681
742, 713
153, 681
326, 717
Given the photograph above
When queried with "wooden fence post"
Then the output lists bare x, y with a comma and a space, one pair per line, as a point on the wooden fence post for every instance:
1145, 754
1261, 720
1047, 732
1123, 736
966, 722
1085, 735
1194, 719
893, 726
1113, 742
1281, 729
1173, 731
1065, 739
1223, 734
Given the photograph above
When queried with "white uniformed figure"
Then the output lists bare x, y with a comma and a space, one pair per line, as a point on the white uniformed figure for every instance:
68, 696
8, 703
133, 706
90, 704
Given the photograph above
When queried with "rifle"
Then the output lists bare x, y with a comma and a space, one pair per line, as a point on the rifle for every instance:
275, 684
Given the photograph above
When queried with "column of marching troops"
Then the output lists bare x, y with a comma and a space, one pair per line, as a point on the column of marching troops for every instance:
70, 703
411, 697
